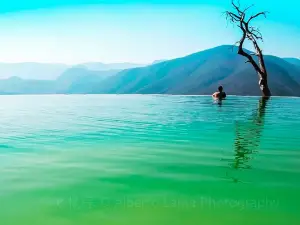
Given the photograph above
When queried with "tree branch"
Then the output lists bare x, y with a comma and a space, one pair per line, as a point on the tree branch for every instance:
233, 17
255, 33
248, 8
256, 15
244, 28
237, 7
238, 18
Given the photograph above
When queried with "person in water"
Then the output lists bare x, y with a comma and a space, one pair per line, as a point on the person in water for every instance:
220, 94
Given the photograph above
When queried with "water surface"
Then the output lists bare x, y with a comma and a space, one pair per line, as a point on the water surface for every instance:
149, 159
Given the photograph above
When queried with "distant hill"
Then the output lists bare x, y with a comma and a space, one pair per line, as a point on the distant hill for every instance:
73, 80
80, 80
16, 85
97, 66
37, 71
50, 71
293, 61
199, 73
158, 61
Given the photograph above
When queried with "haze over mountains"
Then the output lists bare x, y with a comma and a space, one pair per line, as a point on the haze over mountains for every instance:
51, 71
31, 70
112, 66
199, 73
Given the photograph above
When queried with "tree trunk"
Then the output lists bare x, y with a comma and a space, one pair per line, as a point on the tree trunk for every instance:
262, 72
263, 85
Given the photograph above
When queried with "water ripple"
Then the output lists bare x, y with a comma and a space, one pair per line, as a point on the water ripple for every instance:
136, 144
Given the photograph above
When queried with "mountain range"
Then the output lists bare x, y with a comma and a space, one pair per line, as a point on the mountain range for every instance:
51, 71
198, 73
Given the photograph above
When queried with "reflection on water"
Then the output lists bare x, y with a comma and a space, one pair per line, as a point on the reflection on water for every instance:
145, 159
247, 140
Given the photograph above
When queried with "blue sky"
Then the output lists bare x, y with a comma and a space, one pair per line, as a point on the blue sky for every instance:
75, 31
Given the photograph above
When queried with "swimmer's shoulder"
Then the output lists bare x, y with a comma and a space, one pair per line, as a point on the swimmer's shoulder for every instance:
216, 94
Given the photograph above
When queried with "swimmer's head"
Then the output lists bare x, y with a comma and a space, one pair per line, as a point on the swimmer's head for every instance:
220, 88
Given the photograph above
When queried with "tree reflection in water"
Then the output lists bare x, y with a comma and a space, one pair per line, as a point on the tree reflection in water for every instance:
247, 138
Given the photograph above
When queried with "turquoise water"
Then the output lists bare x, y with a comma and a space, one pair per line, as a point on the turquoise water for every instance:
149, 159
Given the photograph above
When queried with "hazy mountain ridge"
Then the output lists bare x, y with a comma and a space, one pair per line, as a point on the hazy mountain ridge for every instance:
74, 80
51, 71
31, 70
198, 73
158, 61
97, 66
293, 61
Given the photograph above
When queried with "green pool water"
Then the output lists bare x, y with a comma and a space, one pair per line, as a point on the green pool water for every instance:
149, 159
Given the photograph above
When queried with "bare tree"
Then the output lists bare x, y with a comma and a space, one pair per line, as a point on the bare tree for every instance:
251, 33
